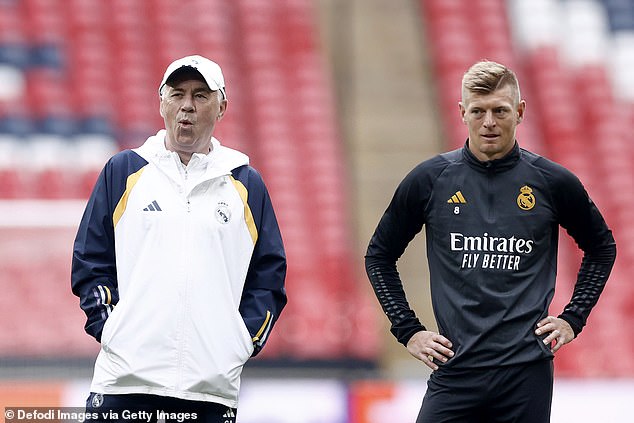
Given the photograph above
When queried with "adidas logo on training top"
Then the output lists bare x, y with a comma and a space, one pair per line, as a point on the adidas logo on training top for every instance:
153, 206
229, 416
457, 198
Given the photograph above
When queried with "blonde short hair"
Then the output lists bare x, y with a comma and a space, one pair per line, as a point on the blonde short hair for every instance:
486, 76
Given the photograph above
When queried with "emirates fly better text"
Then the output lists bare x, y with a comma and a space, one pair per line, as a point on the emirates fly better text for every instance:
490, 252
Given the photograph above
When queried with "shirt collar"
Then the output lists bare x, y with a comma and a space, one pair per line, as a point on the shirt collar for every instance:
497, 165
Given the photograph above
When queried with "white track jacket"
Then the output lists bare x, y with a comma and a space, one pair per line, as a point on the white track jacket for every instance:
180, 271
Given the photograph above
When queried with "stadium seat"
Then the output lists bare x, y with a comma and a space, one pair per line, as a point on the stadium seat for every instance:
620, 13
15, 54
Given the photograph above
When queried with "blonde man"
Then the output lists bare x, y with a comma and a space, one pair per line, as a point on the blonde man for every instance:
492, 213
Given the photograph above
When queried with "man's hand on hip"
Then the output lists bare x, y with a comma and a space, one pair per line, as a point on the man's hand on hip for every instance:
429, 346
558, 330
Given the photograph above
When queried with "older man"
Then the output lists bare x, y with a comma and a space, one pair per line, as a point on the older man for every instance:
178, 262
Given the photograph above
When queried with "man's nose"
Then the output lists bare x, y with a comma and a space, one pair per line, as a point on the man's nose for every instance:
488, 119
188, 103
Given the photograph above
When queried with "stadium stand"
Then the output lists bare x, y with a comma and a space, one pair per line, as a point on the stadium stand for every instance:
574, 58
77, 86
66, 68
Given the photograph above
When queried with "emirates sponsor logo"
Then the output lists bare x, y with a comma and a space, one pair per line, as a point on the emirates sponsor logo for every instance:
490, 252
485, 242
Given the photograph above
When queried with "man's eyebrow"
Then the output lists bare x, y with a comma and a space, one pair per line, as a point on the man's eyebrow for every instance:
195, 90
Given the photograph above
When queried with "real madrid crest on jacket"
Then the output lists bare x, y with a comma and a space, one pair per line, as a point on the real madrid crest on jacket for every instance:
491, 231
202, 329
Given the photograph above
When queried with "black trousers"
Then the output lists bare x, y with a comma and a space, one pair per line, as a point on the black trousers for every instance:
142, 408
513, 394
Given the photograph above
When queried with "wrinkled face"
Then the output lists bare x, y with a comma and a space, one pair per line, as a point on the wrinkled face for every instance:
190, 111
491, 120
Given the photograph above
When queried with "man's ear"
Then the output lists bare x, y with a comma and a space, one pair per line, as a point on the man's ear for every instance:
161, 97
161, 107
463, 111
223, 109
521, 108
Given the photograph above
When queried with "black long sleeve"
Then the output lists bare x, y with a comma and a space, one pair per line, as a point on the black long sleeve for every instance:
389, 291
492, 235
591, 279
403, 219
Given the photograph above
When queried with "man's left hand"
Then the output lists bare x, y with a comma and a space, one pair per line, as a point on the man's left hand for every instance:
558, 330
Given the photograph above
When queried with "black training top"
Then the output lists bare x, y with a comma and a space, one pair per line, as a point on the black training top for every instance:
492, 232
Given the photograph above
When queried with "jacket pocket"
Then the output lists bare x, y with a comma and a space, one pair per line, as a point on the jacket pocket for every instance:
109, 327
247, 340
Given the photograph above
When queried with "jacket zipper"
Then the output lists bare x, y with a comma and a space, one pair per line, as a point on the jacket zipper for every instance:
490, 193
187, 195
182, 344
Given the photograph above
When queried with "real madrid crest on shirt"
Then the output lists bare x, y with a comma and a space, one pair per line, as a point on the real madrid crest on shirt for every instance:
526, 199
223, 213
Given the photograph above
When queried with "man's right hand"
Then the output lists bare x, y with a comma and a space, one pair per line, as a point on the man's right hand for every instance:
429, 346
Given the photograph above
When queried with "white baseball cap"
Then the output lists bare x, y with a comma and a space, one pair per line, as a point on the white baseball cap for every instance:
210, 71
